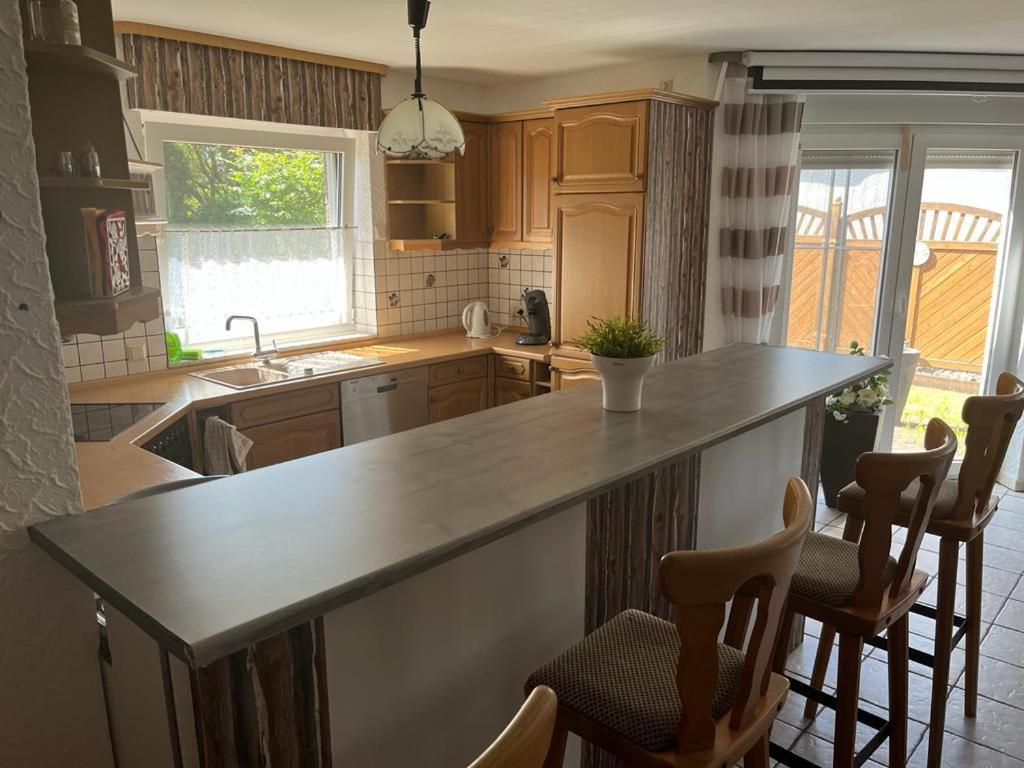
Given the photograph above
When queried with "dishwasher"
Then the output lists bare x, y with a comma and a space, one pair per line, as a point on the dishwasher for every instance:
374, 406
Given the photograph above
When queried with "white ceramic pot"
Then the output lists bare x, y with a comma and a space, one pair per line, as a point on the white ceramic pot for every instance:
623, 380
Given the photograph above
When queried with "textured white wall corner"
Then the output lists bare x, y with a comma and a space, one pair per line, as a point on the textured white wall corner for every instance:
51, 706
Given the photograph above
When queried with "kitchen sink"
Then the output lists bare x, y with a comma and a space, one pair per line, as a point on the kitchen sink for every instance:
285, 369
244, 376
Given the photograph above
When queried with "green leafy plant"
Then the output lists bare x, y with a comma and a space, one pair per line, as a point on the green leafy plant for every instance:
867, 396
618, 337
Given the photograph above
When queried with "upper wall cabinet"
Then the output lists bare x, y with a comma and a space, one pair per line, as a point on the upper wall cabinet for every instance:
471, 191
538, 170
601, 148
599, 250
506, 180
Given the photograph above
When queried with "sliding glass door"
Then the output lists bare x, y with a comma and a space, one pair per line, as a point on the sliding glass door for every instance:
902, 242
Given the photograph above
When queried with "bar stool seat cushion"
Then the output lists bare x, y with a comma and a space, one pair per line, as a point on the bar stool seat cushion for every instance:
623, 676
945, 501
829, 570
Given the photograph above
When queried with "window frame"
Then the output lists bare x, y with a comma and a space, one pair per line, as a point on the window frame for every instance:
159, 127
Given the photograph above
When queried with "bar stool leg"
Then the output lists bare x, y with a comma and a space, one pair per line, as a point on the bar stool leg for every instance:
757, 757
943, 642
851, 648
899, 680
556, 752
781, 643
975, 561
851, 532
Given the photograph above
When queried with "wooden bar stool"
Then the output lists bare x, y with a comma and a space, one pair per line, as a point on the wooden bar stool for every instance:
860, 590
654, 694
524, 743
963, 508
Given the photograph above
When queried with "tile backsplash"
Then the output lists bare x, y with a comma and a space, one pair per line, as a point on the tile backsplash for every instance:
395, 293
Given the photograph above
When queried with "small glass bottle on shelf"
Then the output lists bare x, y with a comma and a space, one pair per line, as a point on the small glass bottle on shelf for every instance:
71, 31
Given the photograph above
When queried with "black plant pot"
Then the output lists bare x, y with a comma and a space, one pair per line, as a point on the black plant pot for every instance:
841, 444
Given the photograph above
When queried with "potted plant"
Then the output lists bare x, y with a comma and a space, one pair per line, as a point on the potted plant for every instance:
622, 351
851, 424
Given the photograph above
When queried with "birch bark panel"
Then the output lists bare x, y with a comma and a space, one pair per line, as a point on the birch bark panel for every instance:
207, 80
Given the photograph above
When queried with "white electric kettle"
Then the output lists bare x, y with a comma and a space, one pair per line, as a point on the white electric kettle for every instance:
476, 319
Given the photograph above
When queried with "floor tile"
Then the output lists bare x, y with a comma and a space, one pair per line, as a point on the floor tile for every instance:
823, 727
1002, 558
964, 754
1004, 537
998, 726
1000, 681
1011, 615
1010, 517
1004, 644
994, 580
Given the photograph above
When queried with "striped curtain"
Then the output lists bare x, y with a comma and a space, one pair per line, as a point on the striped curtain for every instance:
199, 79
759, 143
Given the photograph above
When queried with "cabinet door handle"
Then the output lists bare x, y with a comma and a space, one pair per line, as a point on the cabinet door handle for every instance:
433, 400
460, 370
554, 180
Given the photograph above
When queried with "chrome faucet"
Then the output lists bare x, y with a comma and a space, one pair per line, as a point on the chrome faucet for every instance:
260, 353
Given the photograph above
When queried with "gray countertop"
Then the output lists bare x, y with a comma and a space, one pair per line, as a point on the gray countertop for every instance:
210, 569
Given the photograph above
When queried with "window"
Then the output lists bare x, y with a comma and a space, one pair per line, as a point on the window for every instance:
257, 225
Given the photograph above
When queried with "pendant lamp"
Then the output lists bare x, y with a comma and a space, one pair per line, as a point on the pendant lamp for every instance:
419, 128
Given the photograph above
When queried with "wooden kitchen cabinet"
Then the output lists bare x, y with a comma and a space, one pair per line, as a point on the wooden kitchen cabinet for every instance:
510, 390
293, 438
472, 224
286, 405
457, 370
568, 372
538, 169
601, 148
505, 147
598, 260
458, 399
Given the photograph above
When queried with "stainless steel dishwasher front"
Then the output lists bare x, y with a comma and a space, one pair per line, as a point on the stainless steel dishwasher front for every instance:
374, 406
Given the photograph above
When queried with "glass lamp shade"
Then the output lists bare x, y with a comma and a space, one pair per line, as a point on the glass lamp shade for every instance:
419, 128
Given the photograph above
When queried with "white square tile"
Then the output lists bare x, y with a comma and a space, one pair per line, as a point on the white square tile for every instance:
137, 329
119, 368
73, 375
70, 353
155, 326
158, 363
151, 279
138, 366
90, 353
92, 372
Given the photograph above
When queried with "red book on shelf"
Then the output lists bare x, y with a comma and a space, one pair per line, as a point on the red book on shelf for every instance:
112, 227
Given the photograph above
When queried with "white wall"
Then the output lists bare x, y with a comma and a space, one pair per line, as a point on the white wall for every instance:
687, 74
51, 706
467, 97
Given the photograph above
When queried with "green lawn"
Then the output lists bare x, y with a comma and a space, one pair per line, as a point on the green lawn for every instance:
923, 404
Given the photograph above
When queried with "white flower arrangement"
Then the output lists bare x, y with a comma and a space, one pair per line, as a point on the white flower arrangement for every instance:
868, 396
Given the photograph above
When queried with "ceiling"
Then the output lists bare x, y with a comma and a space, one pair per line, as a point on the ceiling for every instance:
487, 41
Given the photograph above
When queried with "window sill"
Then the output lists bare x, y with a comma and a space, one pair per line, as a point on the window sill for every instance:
286, 349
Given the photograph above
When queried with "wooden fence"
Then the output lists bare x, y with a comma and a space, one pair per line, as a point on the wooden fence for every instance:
951, 287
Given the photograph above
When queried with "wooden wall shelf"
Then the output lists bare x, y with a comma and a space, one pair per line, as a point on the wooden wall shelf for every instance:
56, 59
78, 182
107, 315
425, 245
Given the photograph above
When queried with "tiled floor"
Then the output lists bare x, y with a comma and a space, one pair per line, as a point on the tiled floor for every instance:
995, 738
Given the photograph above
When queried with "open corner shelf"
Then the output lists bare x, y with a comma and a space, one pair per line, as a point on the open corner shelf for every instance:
79, 182
143, 166
106, 315
57, 59
432, 244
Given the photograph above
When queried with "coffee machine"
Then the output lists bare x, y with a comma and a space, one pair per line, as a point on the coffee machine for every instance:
538, 319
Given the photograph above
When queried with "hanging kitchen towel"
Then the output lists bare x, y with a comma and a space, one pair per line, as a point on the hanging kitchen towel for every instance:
224, 447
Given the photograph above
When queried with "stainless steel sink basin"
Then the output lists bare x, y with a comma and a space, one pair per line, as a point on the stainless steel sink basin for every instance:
283, 369
244, 376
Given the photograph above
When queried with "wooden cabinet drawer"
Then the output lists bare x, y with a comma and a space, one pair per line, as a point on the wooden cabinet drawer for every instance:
510, 390
293, 438
458, 399
567, 372
601, 148
287, 405
458, 370
512, 367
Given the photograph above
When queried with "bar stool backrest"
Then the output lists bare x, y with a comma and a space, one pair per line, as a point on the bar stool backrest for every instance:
990, 423
699, 584
884, 477
524, 743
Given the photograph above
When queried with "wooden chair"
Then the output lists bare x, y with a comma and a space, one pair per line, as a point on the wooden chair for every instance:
655, 694
963, 508
524, 743
860, 590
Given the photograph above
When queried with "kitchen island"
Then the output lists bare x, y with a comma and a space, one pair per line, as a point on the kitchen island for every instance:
439, 566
